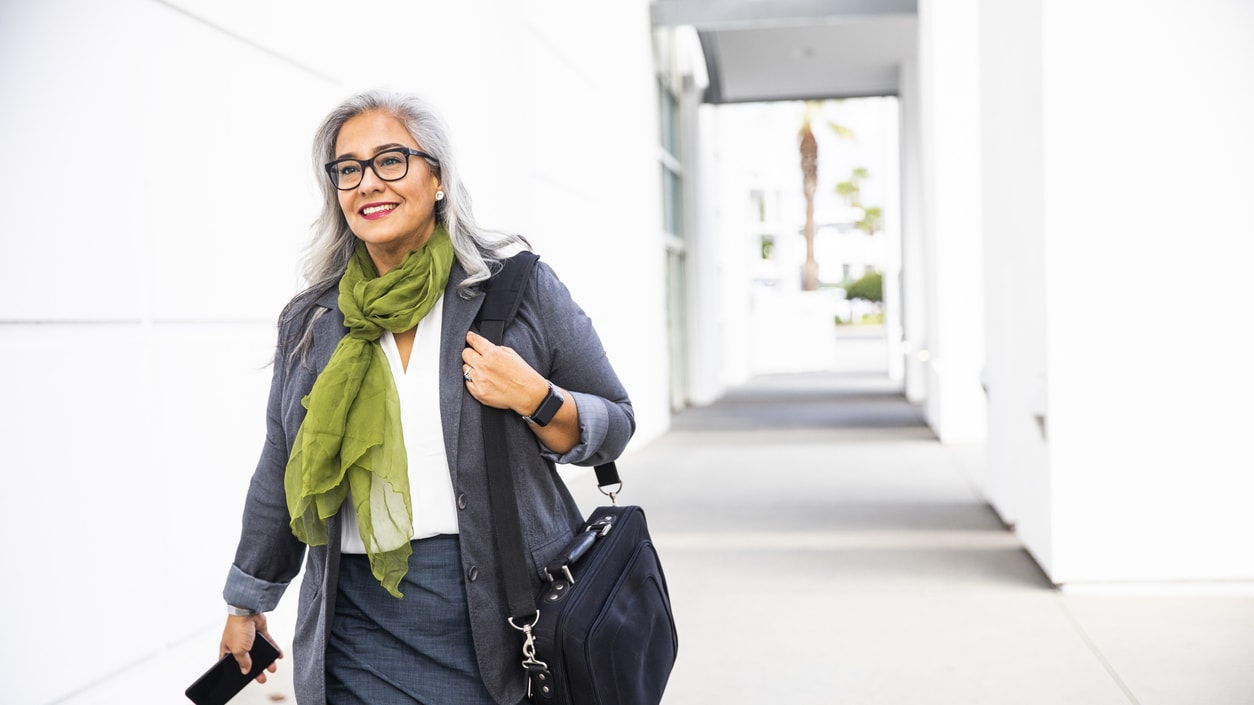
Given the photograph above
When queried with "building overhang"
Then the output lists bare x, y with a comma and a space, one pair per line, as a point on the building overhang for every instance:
757, 50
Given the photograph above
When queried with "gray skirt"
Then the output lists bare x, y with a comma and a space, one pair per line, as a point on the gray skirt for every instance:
416, 650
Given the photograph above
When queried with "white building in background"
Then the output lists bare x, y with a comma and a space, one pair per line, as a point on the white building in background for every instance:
755, 222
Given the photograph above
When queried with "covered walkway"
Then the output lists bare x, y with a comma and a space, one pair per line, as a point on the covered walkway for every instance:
823, 547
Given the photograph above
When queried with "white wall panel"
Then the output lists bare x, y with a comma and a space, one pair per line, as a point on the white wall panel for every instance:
72, 221
212, 383
230, 187
294, 31
82, 531
1150, 162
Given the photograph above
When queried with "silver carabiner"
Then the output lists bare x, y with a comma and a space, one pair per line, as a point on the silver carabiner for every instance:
612, 494
529, 643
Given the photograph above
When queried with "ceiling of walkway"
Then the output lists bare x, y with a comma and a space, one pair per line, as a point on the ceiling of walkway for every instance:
764, 50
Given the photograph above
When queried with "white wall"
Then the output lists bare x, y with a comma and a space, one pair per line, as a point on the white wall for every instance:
141, 268
1148, 173
1014, 239
1118, 161
950, 146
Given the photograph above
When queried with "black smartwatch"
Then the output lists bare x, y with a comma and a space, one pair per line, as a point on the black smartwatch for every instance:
547, 409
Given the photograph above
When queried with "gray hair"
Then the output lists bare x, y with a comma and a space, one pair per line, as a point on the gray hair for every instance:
479, 251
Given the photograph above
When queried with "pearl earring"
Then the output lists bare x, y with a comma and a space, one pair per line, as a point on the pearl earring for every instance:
439, 195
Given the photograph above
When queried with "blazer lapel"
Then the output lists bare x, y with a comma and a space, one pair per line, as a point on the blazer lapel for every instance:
327, 330
459, 313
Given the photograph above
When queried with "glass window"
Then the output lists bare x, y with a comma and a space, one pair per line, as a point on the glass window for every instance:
672, 180
672, 202
670, 122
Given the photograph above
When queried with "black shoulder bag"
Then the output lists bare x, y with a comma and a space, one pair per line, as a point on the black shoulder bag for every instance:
600, 632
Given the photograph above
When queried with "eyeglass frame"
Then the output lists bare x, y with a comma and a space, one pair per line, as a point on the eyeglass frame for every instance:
363, 163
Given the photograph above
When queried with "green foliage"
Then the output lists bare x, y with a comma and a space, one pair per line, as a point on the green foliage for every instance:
872, 220
851, 190
841, 131
847, 190
767, 244
873, 319
867, 319
869, 287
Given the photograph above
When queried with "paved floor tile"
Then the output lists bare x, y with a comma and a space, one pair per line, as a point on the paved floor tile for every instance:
1170, 650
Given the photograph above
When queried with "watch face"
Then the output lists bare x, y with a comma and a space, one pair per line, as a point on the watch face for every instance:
548, 407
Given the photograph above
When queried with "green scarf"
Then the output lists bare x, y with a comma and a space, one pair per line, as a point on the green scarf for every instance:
351, 436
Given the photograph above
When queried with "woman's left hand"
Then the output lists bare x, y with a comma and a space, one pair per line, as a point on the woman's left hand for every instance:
498, 377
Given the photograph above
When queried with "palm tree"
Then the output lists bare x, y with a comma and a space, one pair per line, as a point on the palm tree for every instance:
809, 184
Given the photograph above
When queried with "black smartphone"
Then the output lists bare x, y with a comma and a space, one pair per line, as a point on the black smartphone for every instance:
224, 680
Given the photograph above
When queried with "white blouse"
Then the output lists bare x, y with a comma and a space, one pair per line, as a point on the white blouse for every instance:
430, 483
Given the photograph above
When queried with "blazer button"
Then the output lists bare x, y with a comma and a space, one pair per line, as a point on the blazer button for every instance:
473, 573
461, 501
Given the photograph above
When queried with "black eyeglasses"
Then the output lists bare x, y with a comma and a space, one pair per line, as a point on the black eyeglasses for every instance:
388, 165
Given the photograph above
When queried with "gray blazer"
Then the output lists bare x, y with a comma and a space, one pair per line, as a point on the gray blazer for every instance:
551, 333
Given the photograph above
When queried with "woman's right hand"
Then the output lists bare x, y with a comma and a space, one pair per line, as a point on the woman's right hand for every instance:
238, 637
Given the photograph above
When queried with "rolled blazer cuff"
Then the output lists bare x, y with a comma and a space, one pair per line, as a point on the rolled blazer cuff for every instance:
594, 426
243, 590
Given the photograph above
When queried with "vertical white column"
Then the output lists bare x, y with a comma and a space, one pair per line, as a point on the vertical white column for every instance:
950, 92
894, 327
913, 244
1016, 480
706, 343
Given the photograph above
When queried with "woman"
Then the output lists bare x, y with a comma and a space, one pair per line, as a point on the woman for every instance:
374, 457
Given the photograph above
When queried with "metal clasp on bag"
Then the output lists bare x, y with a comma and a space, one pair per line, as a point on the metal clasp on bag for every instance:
612, 494
531, 664
601, 526
570, 578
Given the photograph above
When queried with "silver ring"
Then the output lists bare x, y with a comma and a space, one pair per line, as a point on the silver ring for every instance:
466, 374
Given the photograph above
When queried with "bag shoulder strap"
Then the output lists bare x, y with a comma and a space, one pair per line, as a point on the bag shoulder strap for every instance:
502, 296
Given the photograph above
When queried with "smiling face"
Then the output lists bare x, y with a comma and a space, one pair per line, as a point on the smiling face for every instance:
391, 217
